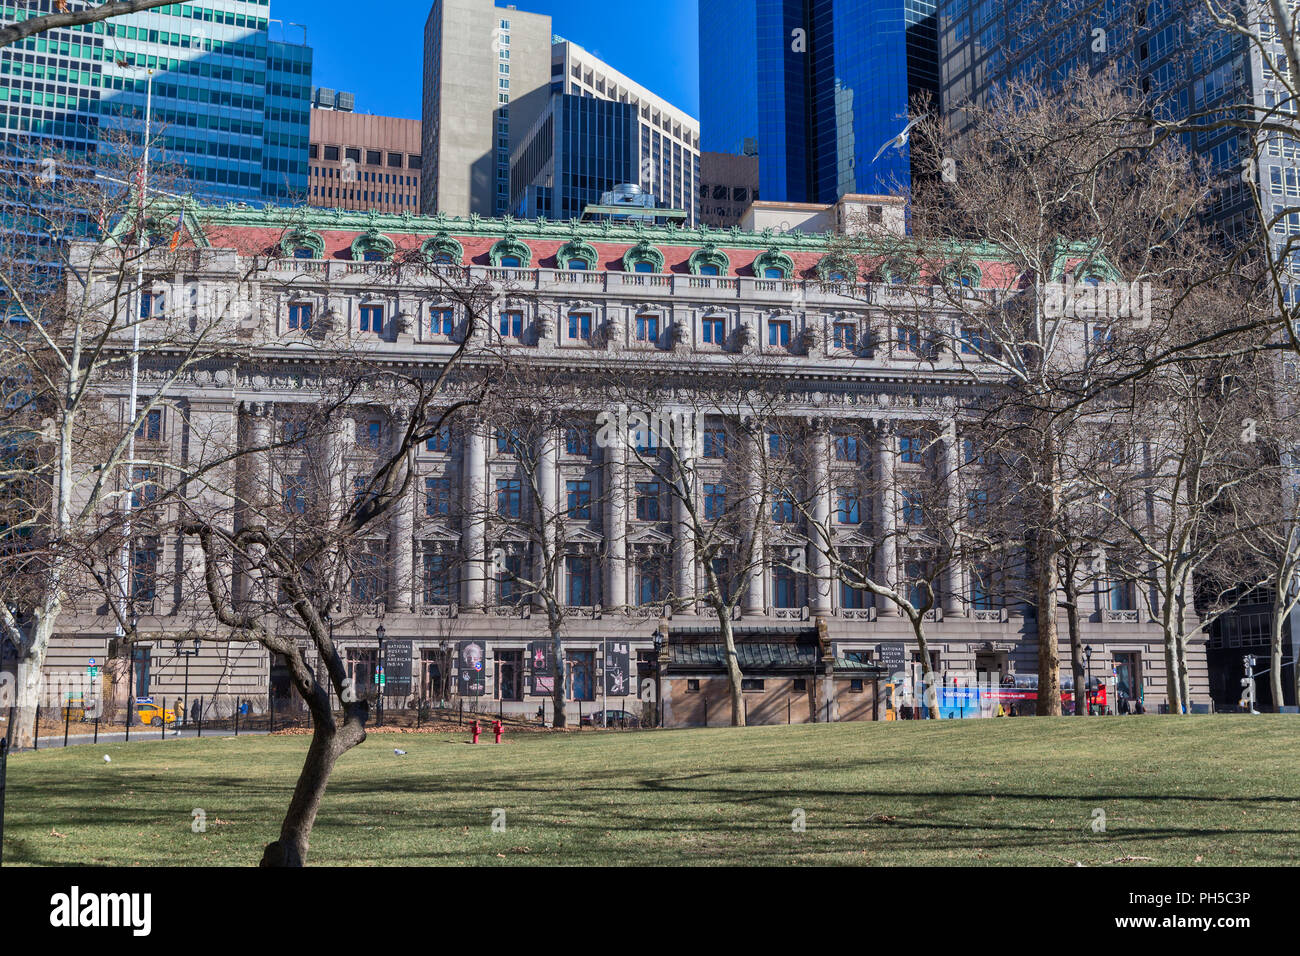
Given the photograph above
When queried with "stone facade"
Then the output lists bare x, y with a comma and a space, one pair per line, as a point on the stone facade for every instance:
873, 383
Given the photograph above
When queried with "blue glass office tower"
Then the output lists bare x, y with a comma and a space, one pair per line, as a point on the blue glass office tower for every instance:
815, 87
230, 104
579, 148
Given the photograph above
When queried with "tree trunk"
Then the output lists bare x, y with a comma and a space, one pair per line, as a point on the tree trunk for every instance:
1076, 644
734, 676
557, 689
927, 671
1049, 662
31, 667
1174, 691
1275, 657
327, 745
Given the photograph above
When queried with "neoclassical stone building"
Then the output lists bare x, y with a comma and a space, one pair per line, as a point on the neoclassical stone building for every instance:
586, 297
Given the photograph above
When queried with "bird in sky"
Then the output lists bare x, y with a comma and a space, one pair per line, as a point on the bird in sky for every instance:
898, 141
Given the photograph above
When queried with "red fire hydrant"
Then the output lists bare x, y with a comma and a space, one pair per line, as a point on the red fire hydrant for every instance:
474, 728
497, 729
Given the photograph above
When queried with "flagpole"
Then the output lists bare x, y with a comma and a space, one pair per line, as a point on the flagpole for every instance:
133, 401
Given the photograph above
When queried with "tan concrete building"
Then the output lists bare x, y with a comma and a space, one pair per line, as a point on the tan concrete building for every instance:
487, 74
364, 162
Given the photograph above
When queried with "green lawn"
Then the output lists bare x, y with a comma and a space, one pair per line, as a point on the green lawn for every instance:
1207, 790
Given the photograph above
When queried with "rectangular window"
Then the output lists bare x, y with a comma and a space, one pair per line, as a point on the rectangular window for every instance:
785, 585
294, 493
846, 448
512, 325
437, 580
913, 512
715, 501
647, 501
507, 442
845, 335
715, 443
372, 319
437, 497
144, 489
579, 495
509, 589
714, 331
778, 333
909, 339
909, 449
367, 580
577, 441
751, 684
647, 328
580, 326
442, 320
144, 572
439, 440
300, 317
151, 427
508, 496
847, 507
783, 507
579, 575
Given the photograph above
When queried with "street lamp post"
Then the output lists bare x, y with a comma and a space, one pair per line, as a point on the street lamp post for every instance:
379, 674
185, 696
1087, 683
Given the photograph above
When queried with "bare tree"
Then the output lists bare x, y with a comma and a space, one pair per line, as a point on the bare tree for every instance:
96, 338
1042, 190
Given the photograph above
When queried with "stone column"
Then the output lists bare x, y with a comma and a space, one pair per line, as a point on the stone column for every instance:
548, 483
401, 539
616, 521
683, 529
886, 503
954, 578
819, 567
474, 528
258, 494
755, 599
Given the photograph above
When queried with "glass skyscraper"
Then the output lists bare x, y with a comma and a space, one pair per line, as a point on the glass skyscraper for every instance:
230, 104
815, 87
580, 148
1166, 49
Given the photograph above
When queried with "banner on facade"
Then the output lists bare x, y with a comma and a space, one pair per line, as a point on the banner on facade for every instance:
541, 662
397, 668
893, 655
471, 680
618, 682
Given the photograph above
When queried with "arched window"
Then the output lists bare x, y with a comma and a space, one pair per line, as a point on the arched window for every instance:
510, 253
643, 257
773, 264
577, 255
709, 261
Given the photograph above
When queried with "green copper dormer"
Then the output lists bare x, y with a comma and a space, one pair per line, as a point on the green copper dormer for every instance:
510, 253
372, 246
643, 257
576, 254
773, 264
442, 250
299, 243
709, 261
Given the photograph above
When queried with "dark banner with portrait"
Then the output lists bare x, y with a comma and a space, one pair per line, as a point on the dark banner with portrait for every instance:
471, 680
541, 661
618, 668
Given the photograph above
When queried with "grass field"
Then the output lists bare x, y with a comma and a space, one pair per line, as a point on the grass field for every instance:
1182, 792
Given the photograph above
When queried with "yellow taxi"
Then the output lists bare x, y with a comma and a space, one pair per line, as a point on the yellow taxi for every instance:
154, 715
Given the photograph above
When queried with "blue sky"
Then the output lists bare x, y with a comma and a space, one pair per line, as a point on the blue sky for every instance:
375, 49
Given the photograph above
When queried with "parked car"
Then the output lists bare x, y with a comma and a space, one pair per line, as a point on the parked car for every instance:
154, 715
612, 718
